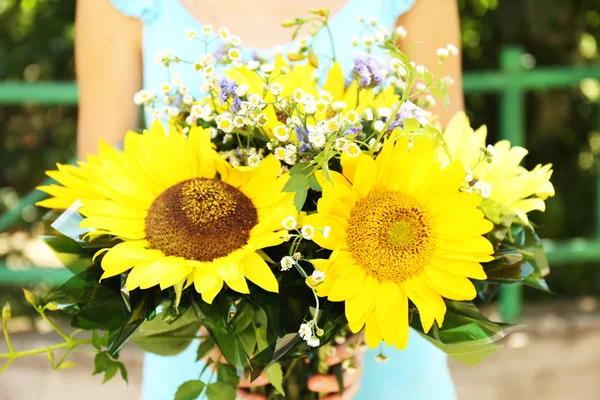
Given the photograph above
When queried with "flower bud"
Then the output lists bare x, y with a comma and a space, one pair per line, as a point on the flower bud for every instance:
6, 315
29, 297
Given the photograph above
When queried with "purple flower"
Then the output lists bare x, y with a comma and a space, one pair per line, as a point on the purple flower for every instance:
228, 88
352, 131
367, 70
409, 110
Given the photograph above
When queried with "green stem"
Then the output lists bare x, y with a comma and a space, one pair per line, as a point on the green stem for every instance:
11, 349
326, 26
56, 328
5, 366
32, 352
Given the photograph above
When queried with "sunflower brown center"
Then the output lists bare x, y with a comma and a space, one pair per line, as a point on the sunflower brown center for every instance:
390, 236
200, 219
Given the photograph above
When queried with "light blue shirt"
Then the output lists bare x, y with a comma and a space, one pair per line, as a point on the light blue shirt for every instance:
420, 372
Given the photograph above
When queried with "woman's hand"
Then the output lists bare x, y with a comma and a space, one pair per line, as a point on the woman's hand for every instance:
322, 383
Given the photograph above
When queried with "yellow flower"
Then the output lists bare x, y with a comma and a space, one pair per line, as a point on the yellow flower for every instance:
303, 76
400, 230
512, 185
184, 215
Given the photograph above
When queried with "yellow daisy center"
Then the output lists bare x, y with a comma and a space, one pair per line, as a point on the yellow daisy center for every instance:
200, 219
390, 236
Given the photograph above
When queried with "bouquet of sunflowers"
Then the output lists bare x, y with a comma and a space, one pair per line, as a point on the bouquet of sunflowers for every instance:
284, 214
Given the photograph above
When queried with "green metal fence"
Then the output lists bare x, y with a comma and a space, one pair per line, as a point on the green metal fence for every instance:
511, 82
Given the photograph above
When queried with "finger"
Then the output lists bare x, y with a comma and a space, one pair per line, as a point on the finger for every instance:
260, 381
349, 393
348, 349
328, 383
242, 395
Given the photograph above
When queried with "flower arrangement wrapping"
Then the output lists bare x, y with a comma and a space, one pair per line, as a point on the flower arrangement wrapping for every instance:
285, 214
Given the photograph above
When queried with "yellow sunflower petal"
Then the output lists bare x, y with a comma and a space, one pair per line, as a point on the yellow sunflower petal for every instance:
347, 284
449, 285
258, 272
205, 279
366, 169
469, 269
359, 305
210, 294
390, 301
337, 232
430, 305
372, 332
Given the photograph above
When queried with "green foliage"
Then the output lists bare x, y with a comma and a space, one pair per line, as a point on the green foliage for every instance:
275, 377
104, 363
190, 390
161, 337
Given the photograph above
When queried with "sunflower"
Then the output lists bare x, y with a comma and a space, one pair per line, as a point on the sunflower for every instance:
400, 230
519, 190
303, 76
184, 215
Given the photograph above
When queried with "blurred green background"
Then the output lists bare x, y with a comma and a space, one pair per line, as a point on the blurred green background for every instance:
36, 44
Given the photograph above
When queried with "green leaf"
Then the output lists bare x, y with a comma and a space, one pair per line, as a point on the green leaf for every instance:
428, 76
247, 339
123, 371
467, 335
96, 341
66, 365
160, 337
243, 318
205, 347
226, 374
104, 364
220, 391
297, 184
50, 356
410, 125
275, 377
314, 183
189, 390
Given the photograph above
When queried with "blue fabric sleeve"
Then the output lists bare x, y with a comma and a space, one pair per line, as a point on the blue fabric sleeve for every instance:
144, 10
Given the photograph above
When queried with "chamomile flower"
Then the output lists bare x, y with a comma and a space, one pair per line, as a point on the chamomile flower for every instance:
253, 160
191, 34
252, 65
369, 39
313, 342
276, 88
452, 49
317, 139
267, 68
165, 87
225, 124
352, 117
241, 90
308, 232
235, 40
325, 96
289, 223
188, 99
401, 32
318, 276
287, 263
305, 331
321, 106
172, 111
353, 150
281, 133
342, 143
234, 53
384, 112
491, 150
143, 97
310, 107
280, 153
378, 125
338, 106
284, 70
298, 95
224, 34
207, 30
239, 121
443, 53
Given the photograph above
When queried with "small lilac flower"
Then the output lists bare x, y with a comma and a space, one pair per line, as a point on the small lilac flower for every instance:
352, 131
368, 70
408, 110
